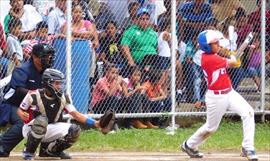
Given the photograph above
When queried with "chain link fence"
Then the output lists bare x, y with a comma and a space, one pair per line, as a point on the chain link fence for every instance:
120, 56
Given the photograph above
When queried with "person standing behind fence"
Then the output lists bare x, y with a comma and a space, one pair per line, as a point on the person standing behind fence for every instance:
57, 17
107, 92
81, 29
219, 98
140, 39
14, 48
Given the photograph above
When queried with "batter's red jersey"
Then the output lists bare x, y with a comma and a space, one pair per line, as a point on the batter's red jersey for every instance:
214, 68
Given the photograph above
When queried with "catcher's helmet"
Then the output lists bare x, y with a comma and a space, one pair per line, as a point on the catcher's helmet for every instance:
52, 75
46, 53
205, 38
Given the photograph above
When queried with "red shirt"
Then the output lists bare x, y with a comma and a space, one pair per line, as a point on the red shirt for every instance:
214, 68
2, 38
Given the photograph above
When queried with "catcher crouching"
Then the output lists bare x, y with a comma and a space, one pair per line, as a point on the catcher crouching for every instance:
42, 112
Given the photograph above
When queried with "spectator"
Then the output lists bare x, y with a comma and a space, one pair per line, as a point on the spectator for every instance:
110, 46
132, 19
158, 99
107, 92
3, 46
41, 36
140, 39
155, 8
105, 15
14, 48
164, 52
135, 98
28, 16
194, 14
242, 27
224, 9
254, 64
254, 18
57, 17
87, 15
3, 43
81, 29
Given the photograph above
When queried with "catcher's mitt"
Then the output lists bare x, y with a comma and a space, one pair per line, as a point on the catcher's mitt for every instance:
107, 121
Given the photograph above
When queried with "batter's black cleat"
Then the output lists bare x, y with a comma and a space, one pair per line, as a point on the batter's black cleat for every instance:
191, 152
249, 154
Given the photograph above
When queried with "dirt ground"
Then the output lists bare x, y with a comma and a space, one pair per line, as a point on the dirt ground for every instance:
144, 156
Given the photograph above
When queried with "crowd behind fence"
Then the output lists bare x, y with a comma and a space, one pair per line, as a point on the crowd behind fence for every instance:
121, 50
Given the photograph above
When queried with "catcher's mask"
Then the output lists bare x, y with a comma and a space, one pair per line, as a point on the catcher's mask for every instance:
54, 81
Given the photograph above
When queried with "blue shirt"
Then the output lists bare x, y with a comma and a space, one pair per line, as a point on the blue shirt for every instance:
25, 76
187, 12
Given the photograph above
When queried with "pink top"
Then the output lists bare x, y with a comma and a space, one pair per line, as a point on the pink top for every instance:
98, 93
86, 25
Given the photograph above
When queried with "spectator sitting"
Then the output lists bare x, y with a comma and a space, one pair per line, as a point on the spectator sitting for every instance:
194, 15
107, 91
158, 99
254, 65
134, 96
110, 46
129, 21
14, 48
81, 29
57, 17
28, 16
41, 36
140, 39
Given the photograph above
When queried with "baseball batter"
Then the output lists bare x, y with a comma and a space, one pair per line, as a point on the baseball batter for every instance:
220, 97
42, 109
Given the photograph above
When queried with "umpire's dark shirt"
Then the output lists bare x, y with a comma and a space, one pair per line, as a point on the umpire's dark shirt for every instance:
25, 77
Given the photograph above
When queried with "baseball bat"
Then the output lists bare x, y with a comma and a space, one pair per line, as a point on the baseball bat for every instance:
230, 32
244, 45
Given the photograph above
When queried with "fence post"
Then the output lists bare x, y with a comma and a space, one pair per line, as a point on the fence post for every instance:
68, 47
173, 60
263, 59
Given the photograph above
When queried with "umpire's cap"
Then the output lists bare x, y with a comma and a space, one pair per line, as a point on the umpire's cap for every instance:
42, 49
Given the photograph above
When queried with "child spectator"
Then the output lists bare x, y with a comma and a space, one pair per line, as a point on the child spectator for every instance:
135, 97
158, 100
107, 91
41, 36
110, 51
14, 48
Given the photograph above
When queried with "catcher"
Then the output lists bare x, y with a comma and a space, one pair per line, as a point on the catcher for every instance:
42, 110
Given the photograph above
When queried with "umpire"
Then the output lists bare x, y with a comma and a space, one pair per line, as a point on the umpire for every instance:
24, 78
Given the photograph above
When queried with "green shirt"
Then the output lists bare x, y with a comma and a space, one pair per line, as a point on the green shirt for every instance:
6, 20
141, 42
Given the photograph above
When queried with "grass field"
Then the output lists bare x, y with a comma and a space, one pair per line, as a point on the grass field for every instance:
227, 138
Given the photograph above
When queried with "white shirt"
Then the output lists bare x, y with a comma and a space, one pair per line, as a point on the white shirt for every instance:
14, 46
30, 18
164, 48
56, 19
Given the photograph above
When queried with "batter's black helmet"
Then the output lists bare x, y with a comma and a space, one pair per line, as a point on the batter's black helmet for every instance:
51, 75
46, 53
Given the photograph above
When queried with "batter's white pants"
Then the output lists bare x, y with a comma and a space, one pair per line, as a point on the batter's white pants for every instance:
217, 105
54, 131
